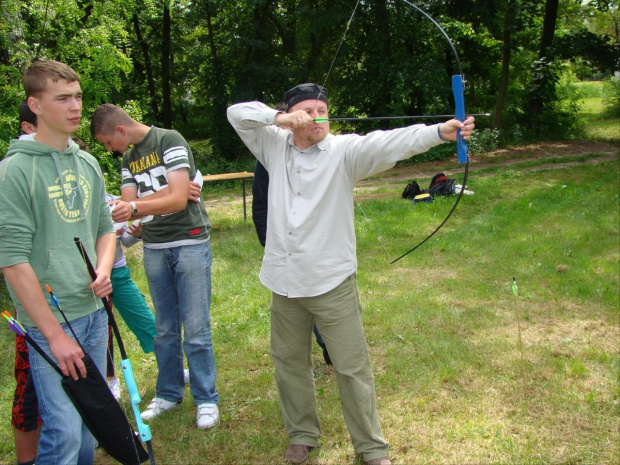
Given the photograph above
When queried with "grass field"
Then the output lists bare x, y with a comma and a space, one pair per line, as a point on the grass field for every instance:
442, 326
442, 330
598, 124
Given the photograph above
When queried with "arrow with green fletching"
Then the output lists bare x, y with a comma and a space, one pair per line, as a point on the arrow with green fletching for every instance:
324, 119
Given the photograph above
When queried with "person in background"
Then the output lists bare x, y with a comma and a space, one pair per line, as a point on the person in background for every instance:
27, 119
310, 259
177, 254
126, 297
25, 412
41, 211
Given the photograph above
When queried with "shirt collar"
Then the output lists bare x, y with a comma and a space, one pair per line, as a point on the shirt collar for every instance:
322, 146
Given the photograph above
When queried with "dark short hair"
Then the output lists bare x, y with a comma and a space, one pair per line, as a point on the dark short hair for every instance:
36, 76
106, 117
301, 92
26, 114
80, 143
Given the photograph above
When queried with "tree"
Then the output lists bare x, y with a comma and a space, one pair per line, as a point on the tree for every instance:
509, 20
181, 63
165, 66
545, 79
148, 67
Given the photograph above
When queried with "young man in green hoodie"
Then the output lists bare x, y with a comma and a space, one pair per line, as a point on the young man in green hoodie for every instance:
51, 192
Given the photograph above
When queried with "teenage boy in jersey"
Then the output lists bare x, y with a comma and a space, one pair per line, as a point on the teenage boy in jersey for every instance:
51, 192
177, 254
310, 259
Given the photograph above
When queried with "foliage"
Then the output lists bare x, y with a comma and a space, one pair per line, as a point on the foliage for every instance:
602, 56
387, 60
611, 96
10, 98
210, 164
560, 108
485, 140
590, 89
597, 122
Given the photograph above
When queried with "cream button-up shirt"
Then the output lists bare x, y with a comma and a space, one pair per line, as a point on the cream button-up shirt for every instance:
310, 247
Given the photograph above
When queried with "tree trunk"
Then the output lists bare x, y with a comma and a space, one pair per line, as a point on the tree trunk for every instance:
222, 130
165, 68
147, 63
383, 23
507, 48
551, 14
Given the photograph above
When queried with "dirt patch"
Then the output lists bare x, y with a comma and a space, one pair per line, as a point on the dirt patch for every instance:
598, 152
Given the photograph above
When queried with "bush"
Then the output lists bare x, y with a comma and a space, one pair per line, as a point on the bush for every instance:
559, 118
485, 140
209, 163
611, 97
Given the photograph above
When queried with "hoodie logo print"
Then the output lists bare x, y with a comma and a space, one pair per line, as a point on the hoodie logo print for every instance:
71, 193
66, 198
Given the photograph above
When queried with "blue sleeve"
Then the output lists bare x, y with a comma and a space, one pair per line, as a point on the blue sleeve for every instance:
260, 188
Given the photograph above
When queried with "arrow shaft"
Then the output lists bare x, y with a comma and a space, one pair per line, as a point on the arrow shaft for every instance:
372, 118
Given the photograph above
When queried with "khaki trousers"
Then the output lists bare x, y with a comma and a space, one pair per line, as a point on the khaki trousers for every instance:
338, 316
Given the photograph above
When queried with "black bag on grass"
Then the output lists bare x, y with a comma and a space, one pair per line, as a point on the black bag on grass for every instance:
411, 190
441, 185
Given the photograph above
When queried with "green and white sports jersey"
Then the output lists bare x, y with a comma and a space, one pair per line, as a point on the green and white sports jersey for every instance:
145, 167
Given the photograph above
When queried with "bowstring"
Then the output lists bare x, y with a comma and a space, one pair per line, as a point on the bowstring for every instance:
458, 199
331, 66
357, 203
344, 35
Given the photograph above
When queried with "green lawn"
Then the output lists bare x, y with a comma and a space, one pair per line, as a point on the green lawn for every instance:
442, 329
598, 124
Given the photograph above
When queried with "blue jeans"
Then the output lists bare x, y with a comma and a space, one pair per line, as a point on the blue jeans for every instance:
180, 284
65, 439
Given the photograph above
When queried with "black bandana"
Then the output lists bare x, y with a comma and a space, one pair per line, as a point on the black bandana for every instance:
308, 91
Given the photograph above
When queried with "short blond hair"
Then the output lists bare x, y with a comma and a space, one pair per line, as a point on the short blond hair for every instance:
36, 76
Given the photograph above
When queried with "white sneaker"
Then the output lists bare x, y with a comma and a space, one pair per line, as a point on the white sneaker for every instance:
207, 416
157, 407
186, 376
115, 388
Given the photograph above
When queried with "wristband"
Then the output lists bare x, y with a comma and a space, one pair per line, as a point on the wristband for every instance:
439, 133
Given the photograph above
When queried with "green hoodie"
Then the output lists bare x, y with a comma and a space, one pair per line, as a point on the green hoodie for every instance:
39, 217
